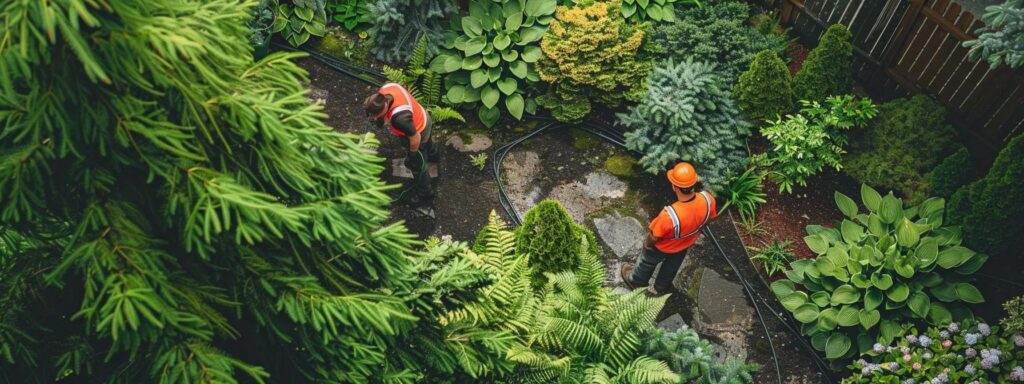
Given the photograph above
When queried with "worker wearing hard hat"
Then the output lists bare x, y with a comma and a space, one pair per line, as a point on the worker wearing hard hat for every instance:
675, 229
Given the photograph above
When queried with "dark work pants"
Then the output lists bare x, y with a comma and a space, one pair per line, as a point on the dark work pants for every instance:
422, 185
646, 263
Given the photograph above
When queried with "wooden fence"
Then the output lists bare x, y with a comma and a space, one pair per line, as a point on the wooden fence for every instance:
914, 46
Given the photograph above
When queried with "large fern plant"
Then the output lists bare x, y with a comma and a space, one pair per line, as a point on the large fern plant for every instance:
584, 333
423, 83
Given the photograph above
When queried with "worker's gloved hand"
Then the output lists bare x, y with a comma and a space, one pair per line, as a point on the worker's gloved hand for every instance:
415, 162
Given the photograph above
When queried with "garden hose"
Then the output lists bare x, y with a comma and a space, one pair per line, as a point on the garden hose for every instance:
613, 136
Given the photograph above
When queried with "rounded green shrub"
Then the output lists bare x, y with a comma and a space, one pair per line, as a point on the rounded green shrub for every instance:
552, 240
765, 90
990, 209
951, 174
828, 68
909, 137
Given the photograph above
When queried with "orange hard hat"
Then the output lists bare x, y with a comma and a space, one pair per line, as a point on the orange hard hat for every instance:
683, 175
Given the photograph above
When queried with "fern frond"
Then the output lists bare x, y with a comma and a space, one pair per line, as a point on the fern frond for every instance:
431, 87
564, 333
394, 75
440, 114
418, 58
645, 370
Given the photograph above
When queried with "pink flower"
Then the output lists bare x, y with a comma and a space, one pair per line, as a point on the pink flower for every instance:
947, 343
917, 366
906, 358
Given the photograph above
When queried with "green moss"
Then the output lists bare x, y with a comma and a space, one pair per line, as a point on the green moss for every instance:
694, 288
346, 45
620, 165
583, 140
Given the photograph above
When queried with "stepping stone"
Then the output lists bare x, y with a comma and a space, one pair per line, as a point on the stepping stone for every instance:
623, 234
476, 142
672, 323
602, 184
399, 170
580, 199
722, 304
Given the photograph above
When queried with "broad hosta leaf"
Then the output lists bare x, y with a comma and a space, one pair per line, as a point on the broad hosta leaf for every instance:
781, 288
954, 256
927, 252
472, 62
837, 346
492, 60
471, 26
513, 22
509, 55
898, 293
508, 85
852, 233
654, 11
529, 35
456, 94
944, 292
848, 316
891, 209
872, 200
502, 41
845, 294
972, 265
872, 299
968, 293
845, 204
904, 268
825, 266
628, 9
939, 315
489, 96
806, 313
494, 74
881, 280
538, 8
820, 298
828, 319
920, 304
478, 78
532, 53
819, 339
868, 318
888, 330
793, 300
515, 105
838, 256
518, 68
817, 244
875, 225
907, 234
475, 45
861, 281
489, 116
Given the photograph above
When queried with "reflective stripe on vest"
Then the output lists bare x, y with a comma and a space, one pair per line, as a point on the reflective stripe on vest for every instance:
403, 101
675, 219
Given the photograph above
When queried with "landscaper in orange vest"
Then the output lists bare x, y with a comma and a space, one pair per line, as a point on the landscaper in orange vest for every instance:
408, 120
675, 229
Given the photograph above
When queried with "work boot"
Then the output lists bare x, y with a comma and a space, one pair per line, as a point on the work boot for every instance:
626, 271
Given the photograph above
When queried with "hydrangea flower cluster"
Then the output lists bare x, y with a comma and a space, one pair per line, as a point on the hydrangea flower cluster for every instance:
957, 353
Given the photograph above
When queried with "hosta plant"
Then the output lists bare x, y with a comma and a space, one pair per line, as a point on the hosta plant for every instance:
657, 10
877, 269
298, 21
958, 353
491, 54
351, 13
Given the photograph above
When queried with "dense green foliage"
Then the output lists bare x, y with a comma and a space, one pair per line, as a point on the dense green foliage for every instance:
876, 270
909, 138
764, 91
827, 71
552, 239
966, 353
805, 143
688, 115
262, 21
423, 83
591, 54
946, 178
490, 58
1001, 40
694, 358
396, 26
351, 47
350, 14
774, 256
990, 209
1013, 323
300, 20
745, 192
639, 11
717, 32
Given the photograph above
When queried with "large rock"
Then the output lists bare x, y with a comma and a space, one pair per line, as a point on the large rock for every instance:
519, 169
473, 142
722, 304
672, 323
624, 235
582, 198
602, 184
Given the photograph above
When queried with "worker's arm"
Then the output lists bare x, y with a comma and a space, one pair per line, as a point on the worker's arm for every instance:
414, 142
403, 122
650, 240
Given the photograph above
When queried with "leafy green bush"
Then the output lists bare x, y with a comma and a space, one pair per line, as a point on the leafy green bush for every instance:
1013, 323
592, 330
351, 13
396, 26
694, 358
876, 270
745, 192
591, 54
774, 256
423, 83
300, 20
803, 144
909, 138
946, 178
262, 22
764, 91
990, 209
688, 115
999, 41
955, 354
491, 56
828, 69
717, 32
638, 11
552, 239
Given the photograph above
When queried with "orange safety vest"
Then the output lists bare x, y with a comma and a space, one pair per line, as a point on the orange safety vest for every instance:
403, 101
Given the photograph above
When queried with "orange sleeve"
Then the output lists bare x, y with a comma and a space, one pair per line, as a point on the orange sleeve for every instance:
714, 207
658, 226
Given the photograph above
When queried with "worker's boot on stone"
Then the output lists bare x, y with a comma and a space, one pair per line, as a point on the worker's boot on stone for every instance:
626, 272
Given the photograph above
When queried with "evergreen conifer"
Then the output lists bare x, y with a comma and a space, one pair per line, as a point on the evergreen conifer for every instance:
765, 90
828, 69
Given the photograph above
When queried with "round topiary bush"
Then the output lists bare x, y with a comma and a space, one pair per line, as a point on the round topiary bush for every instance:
765, 90
828, 68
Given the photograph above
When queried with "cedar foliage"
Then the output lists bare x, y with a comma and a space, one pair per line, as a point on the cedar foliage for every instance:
827, 71
396, 26
909, 138
592, 55
551, 238
990, 209
765, 90
688, 115
694, 358
165, 196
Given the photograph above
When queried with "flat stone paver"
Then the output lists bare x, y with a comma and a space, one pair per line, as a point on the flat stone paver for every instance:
624, 235
399, 170
602, 184
672, 323
477, 142
722, 304
519, 170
